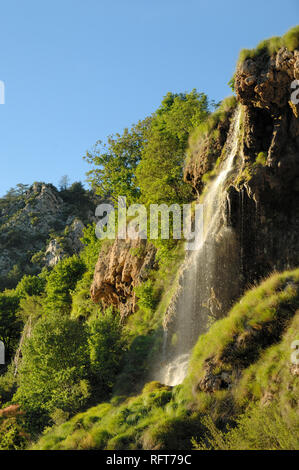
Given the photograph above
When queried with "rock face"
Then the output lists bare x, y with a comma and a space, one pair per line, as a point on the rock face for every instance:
205, 154
26, 221
264, 86
124, 265
54, 253
266, 209
71, 244
263, 202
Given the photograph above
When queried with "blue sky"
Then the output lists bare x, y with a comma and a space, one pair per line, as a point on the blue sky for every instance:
76, 71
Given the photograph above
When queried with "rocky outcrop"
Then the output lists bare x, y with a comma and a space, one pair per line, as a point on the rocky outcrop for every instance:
206, 153
264, 86
30, 218
119, 269
11, 411
223, 369
70, 243
263, 201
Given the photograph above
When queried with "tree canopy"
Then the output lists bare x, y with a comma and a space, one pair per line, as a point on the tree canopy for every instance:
145, 163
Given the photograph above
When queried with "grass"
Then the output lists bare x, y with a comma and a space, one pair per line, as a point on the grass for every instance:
254, 323
270, 46
257, 429
111, 427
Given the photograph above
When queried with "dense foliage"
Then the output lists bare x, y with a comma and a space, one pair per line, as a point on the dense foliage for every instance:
78, 371
25, 232
290, 40
233, 417
146, 162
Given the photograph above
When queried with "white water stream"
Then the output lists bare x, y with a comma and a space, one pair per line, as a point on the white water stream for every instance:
206, 270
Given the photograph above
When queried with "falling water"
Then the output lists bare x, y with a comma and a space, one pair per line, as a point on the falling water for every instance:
209, 277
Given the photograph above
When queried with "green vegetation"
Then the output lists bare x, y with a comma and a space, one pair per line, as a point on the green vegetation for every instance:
10, 324
269, 46
53, 371
160, 172
61, 281
80, 373
12, 436
66, 365
30, 286
252, 346
147, 421
24, 233
209, 128
145, 164
255, 323
116, 161
107, 345
261, 159
206, 142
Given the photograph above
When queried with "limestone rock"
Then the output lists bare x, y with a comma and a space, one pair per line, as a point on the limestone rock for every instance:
54, 253
28, 219
119, 270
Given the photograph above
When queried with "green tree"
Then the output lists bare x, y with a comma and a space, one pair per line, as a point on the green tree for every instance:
82, 305
10, 324
92, 247
54, 370
30, 285
61, 282
115, 163
160, 171
106, 346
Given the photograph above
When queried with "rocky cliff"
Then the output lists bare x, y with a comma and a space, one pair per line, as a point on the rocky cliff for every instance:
39, 226
122, 267
262, 201
270, 190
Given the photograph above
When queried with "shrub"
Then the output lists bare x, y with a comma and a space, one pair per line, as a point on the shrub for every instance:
106, 349
61, 281
147, 297
261, 159
12, 435
82, 304
54, 369
30, 286
259, 428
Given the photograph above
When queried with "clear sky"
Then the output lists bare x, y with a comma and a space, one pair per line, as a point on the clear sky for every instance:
76, 71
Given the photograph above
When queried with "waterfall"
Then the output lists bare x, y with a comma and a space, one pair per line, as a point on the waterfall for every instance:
209, 276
